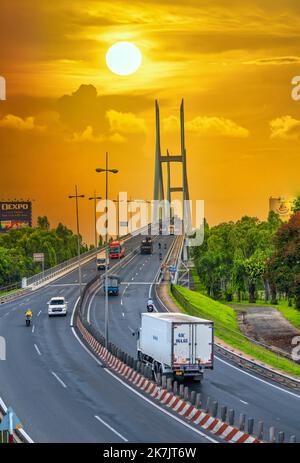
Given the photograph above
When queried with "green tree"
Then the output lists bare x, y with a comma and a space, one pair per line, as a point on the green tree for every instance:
296, 205
43, 223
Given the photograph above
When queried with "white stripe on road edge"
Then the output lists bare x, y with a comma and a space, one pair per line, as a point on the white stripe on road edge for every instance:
58, 379
138, 393
161, 409
77, 337
243, 402
39, 313
32, 329
37, 349
258, 379
112, 429
239, 369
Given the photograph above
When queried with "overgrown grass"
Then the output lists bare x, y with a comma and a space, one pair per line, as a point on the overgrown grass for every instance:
8, 292
227, 329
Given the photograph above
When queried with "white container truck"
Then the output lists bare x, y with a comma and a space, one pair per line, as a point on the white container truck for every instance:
176, 344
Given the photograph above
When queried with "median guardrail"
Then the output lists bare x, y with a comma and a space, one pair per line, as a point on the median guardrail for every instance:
241, 360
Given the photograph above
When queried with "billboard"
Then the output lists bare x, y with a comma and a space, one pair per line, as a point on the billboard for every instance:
282, 207
15, 215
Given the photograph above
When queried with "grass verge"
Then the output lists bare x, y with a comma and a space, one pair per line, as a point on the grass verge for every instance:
227, 329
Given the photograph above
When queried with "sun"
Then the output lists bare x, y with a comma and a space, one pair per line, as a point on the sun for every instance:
123, 58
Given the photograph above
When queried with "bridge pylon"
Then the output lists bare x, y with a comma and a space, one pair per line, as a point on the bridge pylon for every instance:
165, 214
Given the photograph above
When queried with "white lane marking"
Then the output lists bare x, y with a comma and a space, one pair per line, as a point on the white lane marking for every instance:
37, 349
112, 429
238, 369
158, 407
258, 379
73, 313
121, 302
138, 393
123, 314
77, 337
39, 313
58, 379
243, 402
32, 329
90, 304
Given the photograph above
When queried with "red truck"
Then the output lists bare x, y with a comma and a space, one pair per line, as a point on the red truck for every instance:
116, 249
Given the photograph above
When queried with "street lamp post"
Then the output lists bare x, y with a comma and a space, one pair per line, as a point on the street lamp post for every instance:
107, 171
95, 198
76, 196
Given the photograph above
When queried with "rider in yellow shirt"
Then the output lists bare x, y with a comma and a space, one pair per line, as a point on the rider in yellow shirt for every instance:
28, 313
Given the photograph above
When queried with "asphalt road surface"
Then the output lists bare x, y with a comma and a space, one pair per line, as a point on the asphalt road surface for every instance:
244, 392
58, 390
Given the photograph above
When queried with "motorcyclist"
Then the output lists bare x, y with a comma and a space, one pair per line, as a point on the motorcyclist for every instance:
28, 317
159, 245
165, 245
150, 304
160, 256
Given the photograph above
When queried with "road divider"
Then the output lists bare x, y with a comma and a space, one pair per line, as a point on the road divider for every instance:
11, 430
181, 401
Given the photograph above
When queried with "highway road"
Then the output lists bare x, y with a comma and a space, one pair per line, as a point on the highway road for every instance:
58, 390
244, 392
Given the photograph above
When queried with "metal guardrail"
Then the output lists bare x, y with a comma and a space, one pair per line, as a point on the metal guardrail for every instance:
18, 436
239, 359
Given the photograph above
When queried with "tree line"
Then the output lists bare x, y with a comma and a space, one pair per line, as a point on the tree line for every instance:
18, 246
244, 257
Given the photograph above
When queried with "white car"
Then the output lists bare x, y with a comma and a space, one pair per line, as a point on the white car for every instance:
57, 306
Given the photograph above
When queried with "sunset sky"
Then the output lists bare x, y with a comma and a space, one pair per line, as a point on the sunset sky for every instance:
232, 62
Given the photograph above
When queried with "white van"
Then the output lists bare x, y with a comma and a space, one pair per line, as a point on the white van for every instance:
57, 306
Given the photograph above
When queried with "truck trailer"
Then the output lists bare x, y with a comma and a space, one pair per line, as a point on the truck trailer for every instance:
176, 344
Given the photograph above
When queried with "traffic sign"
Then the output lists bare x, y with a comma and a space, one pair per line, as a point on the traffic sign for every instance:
38, 257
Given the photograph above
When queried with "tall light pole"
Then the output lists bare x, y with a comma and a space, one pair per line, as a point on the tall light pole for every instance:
117, 201
95, 198
107, 171
76, 196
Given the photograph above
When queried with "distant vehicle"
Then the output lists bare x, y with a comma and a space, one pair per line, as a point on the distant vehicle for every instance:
57, 306
171, 229
147, 245
116, 249
112, 284
101, 261
150, 305
176, 344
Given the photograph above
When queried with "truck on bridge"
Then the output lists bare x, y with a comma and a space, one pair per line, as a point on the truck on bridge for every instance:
102, 261
147, 245
116, 249
176, 344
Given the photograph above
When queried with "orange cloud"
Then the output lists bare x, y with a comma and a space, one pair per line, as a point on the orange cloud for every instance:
15, 122
285, 127
125, 122
208, 126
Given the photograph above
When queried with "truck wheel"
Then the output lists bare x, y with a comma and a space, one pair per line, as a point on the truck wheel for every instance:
198, 378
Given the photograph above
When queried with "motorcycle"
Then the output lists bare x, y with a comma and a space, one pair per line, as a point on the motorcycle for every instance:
28, 320
150, 308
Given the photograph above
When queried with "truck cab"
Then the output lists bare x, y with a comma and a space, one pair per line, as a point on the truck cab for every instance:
102, 262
